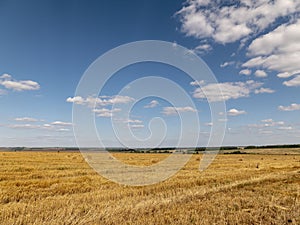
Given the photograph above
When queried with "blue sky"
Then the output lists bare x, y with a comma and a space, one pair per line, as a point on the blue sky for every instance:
251, 46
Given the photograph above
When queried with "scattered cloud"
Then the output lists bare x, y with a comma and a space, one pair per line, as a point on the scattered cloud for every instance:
197, 83
136, 126
5, 76
246, 72
61, 123
227, 23
209, 124
24, 126
225, 91
104, 112
278, 50
133, 121
175, 110
260, 73
235, 112
26, 119
225, 64
100, 101
267, 123
22, 85
285, 128
203, 48
292, 107
295, 82
152, 104
264, 90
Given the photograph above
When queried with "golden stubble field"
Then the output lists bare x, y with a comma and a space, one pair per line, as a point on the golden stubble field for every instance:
61, 188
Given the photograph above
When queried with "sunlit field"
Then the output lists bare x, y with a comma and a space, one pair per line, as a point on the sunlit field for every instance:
61, 188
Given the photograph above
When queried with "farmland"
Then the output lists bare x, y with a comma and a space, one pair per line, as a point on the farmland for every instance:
61, 188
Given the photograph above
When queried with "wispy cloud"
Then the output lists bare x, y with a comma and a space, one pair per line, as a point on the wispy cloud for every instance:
174, 110
264, 90
61, 123
26, 119
152, 104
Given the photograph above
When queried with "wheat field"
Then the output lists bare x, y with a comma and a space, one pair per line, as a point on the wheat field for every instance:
61, 188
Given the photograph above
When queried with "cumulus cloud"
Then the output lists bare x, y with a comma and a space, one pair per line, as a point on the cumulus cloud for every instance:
22, 85
100, 101
226, 23
225, 91
291, 107
246, 72
235, 112
260, 73
278, 50
174, 110
293, 82
152, 104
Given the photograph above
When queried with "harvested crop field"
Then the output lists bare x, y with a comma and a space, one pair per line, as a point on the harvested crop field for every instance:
61, 188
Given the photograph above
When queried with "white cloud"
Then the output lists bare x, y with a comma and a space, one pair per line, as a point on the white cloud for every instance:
288, 74
5, 76
246, 72
225, 64
103, 112
174, 110
278, 50
291, 107
61, 123
235, 112
26, 119
226, 23
264, 90
267, 121
152, 104
24, 126
197, 83
77, 100
225, 91
260, 73
285, 128
203, 48
100, 101
136, 126
293, 82
209, 124
133, 121
22, 85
